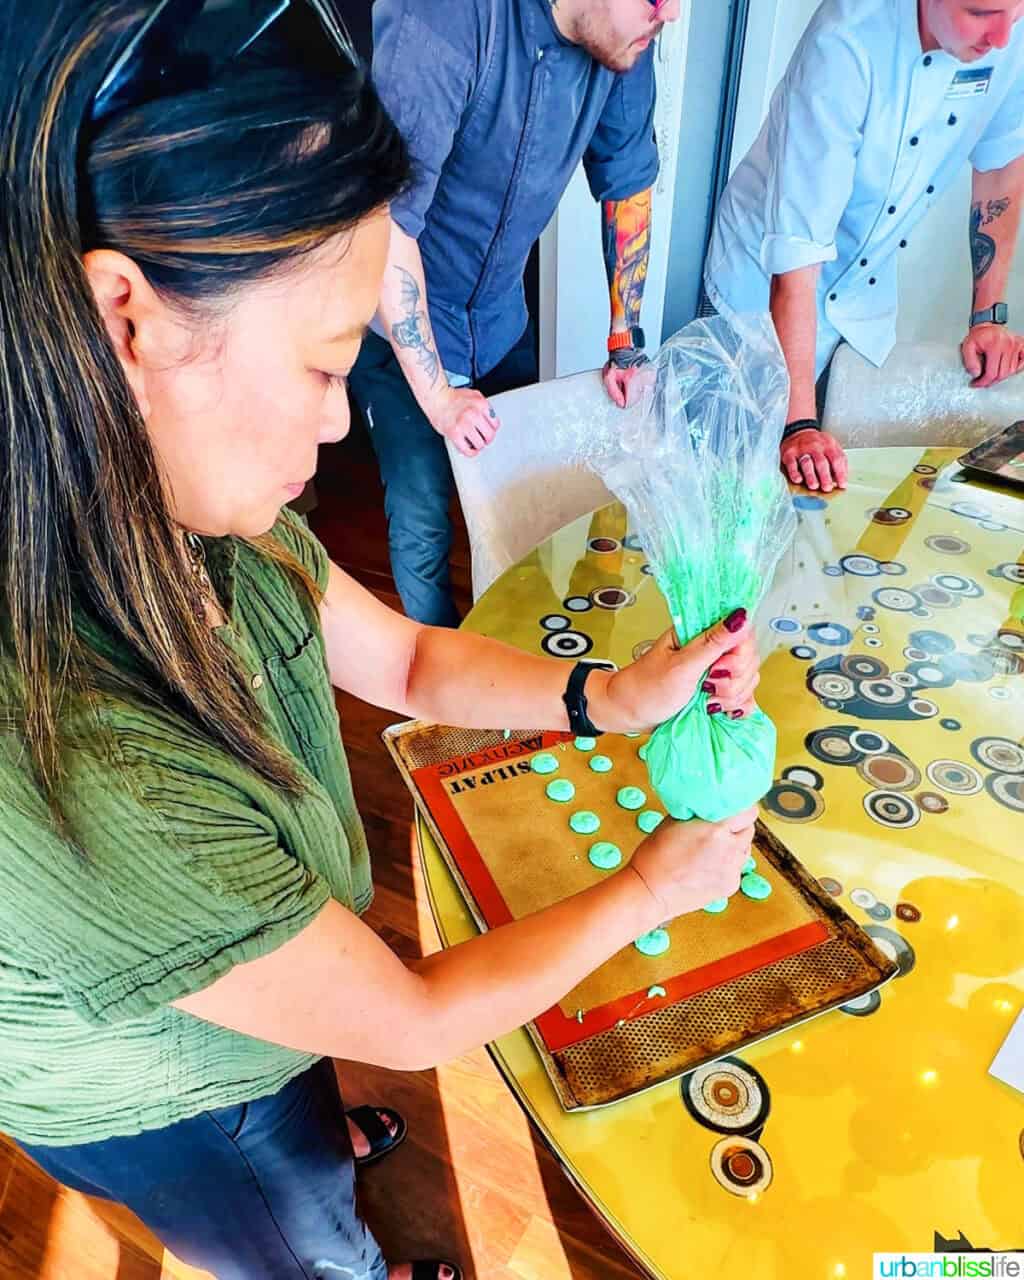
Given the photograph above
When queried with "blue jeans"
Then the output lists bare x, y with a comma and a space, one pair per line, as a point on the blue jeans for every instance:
262, 1191
416, 472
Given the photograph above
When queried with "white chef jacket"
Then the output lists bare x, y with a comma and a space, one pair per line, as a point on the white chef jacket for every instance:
864, 134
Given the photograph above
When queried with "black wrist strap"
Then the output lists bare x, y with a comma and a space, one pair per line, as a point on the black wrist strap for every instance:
575, 699
801, 424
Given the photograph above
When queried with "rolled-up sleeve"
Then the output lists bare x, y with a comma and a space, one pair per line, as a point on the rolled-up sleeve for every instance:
1003, 140
424, 67
622, 158
816, 128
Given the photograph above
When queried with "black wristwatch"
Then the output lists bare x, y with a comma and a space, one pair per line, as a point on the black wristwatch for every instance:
575, 698
800, 424
998, 314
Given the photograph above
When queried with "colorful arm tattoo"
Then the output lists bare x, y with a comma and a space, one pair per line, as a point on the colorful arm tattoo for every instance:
627, 252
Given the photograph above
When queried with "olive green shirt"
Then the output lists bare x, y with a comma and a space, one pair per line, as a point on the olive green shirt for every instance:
194, 864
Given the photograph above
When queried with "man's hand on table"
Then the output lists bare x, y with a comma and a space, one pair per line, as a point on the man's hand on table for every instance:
991, 352
815, 459
464, 417
620, 375
723, 661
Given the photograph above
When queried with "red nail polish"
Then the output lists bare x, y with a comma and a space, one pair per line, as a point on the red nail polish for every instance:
708, 687
735, 621
720, 673
736, 715
714, 708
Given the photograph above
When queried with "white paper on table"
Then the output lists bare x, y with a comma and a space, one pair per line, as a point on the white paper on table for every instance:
1008, 1064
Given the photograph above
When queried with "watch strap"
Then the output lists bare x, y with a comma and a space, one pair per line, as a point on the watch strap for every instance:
999, 313
575, 699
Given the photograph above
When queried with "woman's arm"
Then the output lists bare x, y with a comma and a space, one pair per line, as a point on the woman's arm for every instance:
455, 677
338, 991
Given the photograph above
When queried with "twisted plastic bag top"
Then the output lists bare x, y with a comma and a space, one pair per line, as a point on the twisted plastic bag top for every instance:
697, 466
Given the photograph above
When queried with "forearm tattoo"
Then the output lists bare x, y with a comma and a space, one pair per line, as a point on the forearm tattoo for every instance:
413, 333
983, 247
627, 254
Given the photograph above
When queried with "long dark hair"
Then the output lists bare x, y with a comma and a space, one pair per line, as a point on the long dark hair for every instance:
206, 191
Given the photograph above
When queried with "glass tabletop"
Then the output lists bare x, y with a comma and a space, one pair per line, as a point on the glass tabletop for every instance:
893, 643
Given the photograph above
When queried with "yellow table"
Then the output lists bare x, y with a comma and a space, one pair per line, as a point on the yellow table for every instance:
896, 683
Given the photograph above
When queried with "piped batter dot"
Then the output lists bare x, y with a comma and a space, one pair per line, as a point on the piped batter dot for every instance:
631, 798
544, 763
655, 943
601, 764
585, 744
755, 886
716, 907
585, 823
650, 820
561, 790
605, 856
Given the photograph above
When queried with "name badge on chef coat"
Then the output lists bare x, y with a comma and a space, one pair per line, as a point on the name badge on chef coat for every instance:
973, 82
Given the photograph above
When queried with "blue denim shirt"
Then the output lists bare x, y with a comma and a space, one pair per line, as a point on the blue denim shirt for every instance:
498, 110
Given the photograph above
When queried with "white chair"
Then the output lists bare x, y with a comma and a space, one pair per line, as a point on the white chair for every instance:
529, 482
920, 396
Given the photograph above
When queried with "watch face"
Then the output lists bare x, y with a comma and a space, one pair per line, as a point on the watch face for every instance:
1000, 313
638, 337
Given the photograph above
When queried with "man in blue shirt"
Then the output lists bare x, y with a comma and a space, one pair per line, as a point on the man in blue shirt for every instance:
499, 101
882, 104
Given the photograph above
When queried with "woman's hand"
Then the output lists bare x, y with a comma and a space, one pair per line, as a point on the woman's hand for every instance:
686, 865
723, 661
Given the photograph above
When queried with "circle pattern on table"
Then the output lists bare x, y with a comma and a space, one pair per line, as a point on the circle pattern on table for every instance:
890, 771
860, 566
829, 633
561, 790
890, 515
892, 809
893, 568
555, 622
832, 887
655, 943
804, 652
645, 646
833, 745
566, 644
869, 742
947, 544
650, 820
807, 502
612, 598
600, 764
897, 599
604, 855
884, 692
544, 763
786, 626
1007, 789
1010, 571
907, 912
863, 1006
957, 584
863, 898
742, 1166
1002, 754
585, 823
577, 604
932, 802
794, 803
879, 912
954, 777
830, 684
895, 946
604, 546
727, 1096
804, 777
631, 798
863, 667
932, 641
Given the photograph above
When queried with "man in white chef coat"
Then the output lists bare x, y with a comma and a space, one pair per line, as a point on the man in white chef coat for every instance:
882, 103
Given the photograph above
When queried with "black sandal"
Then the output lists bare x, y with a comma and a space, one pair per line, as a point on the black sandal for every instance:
431, 1269
377, 1133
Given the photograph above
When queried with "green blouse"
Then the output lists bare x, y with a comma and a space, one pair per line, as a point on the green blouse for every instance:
194, 865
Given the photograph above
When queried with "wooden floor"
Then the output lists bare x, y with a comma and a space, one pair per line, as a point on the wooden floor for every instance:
472, 1182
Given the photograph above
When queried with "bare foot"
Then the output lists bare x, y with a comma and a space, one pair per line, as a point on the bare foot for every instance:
403, 1271
360, 1142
